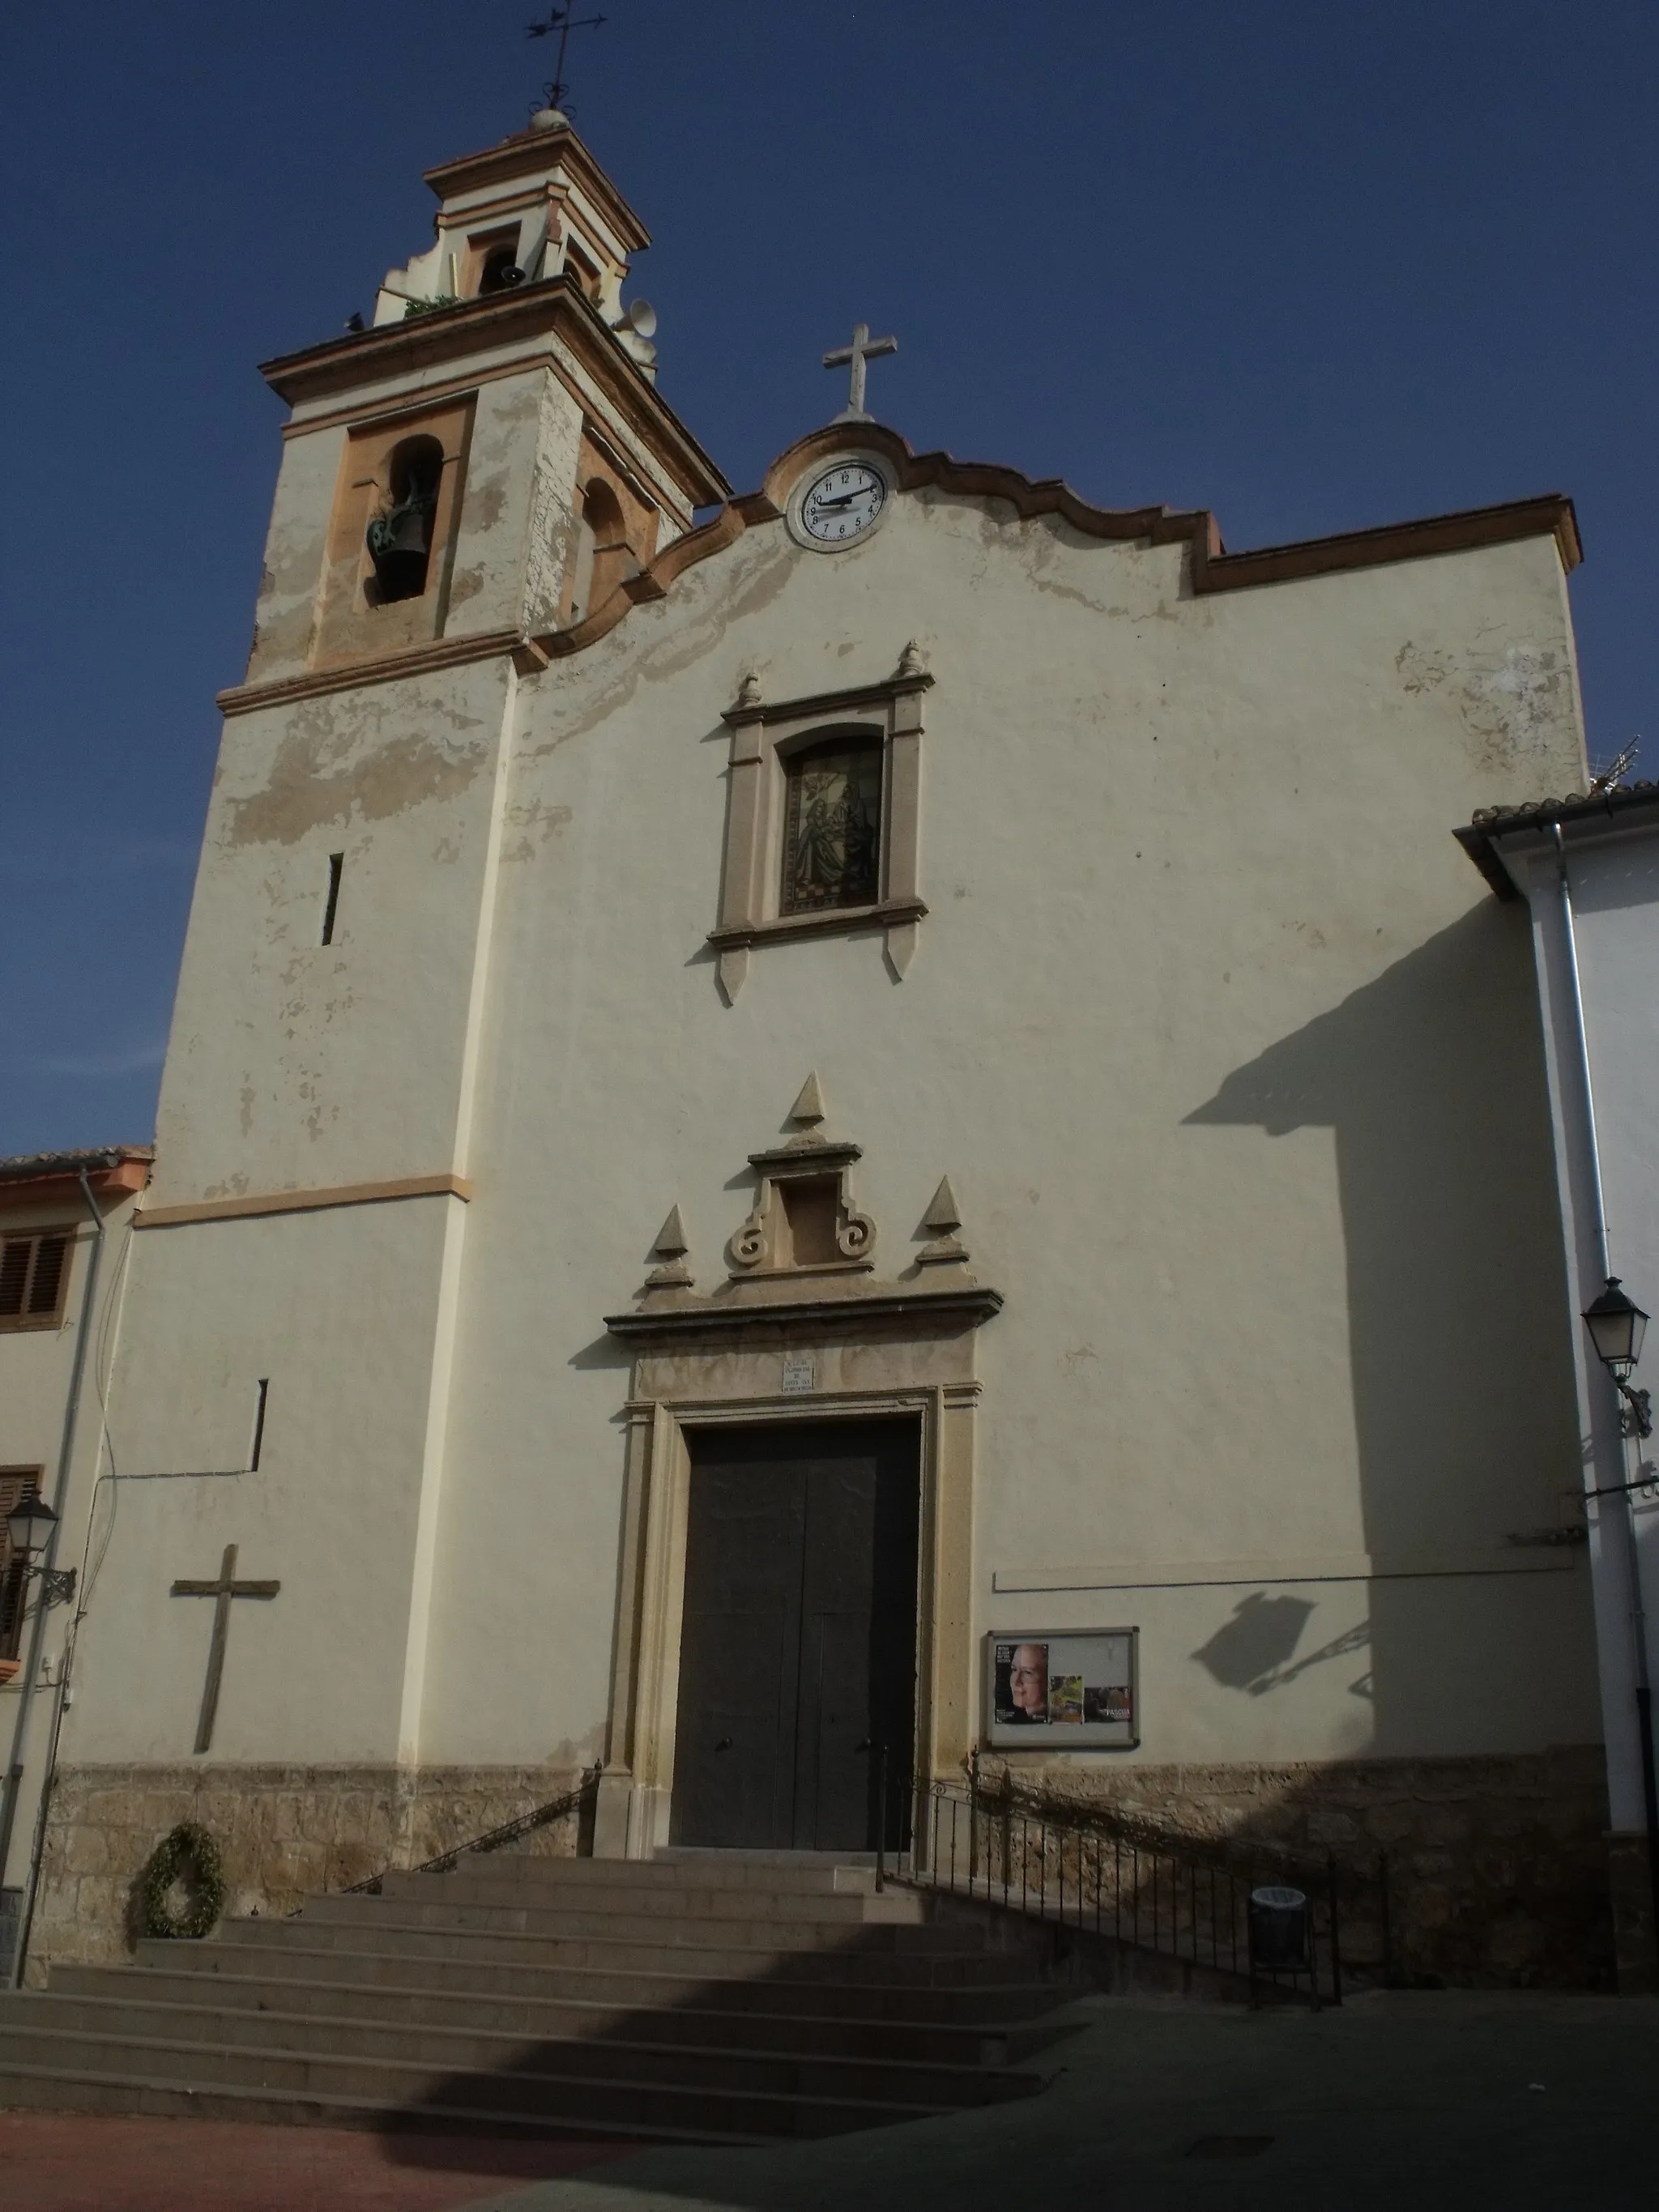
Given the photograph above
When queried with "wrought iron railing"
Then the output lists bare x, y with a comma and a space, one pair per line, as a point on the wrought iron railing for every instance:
493, 1839
1192, 1899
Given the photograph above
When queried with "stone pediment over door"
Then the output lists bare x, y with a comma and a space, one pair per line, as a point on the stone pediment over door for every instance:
803, 1260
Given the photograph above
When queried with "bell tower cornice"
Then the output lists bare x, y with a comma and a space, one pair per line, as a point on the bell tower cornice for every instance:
373, 371
555, 154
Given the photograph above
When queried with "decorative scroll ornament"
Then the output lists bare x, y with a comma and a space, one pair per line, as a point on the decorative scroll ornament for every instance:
803, 1221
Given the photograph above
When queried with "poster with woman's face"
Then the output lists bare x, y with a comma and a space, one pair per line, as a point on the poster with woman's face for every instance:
1070, 1690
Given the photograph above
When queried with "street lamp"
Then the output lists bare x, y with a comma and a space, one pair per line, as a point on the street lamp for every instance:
1617, 1325
29, 1528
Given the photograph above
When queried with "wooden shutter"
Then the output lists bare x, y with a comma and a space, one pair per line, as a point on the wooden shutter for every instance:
15, 1257
34, 1274
46, 1276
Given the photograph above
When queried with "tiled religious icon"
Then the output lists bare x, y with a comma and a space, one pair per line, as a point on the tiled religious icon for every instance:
831, 827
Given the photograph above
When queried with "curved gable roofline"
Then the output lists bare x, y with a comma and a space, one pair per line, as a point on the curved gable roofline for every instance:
1213, 568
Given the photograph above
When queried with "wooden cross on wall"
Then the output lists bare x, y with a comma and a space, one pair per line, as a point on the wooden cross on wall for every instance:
224, 1589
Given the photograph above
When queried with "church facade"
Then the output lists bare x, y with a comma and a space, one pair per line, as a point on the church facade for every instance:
778, 1127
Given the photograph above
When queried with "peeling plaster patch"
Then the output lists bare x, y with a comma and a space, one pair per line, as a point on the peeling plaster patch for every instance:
485, 504
302, 795
1515, 711
529, 817
466, 585
445, 851
246, 1116
1419, 670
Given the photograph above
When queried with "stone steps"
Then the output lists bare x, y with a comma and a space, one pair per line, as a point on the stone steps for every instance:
950, 2043
784, 1958
958, 2001
715, 2000
865, 1923
758, 2065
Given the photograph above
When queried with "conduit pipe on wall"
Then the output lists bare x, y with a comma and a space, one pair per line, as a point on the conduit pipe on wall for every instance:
1604, 1268
66, 1462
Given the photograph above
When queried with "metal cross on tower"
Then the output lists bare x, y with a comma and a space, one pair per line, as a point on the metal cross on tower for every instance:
863, 348
564, 21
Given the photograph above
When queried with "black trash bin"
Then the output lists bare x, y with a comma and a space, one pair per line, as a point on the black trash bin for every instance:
1279, 1929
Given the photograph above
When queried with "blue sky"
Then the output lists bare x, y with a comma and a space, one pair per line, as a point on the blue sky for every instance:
1314, 266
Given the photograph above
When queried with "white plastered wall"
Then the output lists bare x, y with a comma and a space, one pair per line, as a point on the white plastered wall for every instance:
1232, 1065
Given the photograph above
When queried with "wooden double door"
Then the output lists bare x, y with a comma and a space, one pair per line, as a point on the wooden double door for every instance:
798, 1647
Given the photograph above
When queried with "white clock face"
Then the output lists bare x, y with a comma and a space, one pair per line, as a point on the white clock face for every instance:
842, 503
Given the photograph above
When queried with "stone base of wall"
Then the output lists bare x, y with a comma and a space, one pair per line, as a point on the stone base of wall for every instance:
1635, 1935
1497, 1867
283, 1831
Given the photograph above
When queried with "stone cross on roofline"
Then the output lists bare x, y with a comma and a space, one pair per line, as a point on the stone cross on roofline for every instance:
863, 348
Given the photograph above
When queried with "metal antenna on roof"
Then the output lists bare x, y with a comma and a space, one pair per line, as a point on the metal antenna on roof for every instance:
1608, 778
564, 21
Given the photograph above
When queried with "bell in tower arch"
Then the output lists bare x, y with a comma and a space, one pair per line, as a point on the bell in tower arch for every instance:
399, 539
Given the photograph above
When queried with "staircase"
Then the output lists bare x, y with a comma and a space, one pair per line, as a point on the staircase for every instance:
707, 1997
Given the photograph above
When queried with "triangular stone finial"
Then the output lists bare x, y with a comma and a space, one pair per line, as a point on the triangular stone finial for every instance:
808, 1109
669, 1249
944, 1218
942, 1214
671, 1238
911, 662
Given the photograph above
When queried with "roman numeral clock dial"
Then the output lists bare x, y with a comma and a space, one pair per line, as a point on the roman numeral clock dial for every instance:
842, 505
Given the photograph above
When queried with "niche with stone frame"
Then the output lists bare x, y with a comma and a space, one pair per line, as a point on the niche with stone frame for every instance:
392, 533
616, 534
822, 819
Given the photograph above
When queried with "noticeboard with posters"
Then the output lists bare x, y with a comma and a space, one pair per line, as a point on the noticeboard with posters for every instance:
1062, 1689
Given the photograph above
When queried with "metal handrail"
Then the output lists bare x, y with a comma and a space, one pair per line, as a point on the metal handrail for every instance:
493, 1839
1122, 1877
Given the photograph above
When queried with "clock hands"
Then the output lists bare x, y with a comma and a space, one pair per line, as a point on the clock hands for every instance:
864, 491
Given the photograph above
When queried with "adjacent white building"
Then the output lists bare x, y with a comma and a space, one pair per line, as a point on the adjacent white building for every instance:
1588, 869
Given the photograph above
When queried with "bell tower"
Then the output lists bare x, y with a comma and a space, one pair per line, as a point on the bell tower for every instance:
460, 480
438, 464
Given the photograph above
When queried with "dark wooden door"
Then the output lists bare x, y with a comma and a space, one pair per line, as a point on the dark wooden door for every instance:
797, 1645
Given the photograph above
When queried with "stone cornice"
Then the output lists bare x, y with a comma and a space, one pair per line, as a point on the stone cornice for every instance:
818, 703
529, 153
426, 343
840, 1316
349, 674
252, 1207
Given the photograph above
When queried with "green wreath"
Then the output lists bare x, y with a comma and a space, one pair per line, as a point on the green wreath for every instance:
191, 1853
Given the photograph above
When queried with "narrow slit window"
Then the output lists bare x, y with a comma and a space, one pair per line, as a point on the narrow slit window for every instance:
331, 898
261, 1396
832, 827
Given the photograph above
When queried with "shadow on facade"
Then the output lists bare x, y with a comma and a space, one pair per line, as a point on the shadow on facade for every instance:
1484, 1772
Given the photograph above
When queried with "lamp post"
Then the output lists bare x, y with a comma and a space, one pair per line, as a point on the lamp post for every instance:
30, 1527
1617, 1325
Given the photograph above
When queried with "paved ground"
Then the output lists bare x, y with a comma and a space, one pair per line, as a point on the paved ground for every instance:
1437, 2103
1446, 2102
66, 2162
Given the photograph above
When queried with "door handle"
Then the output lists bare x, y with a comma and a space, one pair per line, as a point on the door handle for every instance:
725, 1744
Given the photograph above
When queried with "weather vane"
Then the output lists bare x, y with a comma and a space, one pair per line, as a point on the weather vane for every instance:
564, 21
